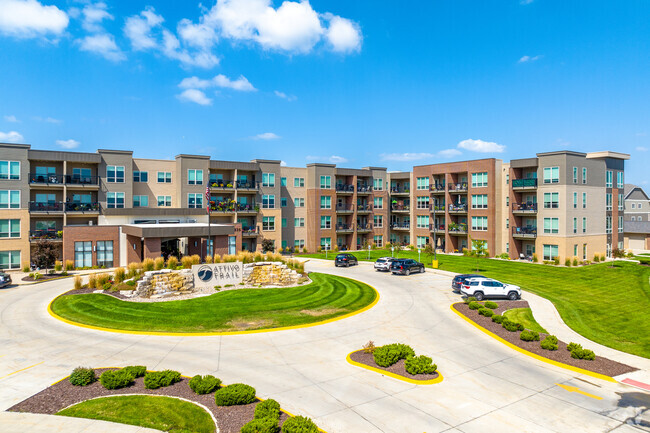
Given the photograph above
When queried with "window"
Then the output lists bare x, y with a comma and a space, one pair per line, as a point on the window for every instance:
268, 179
378, 240
115, 200
422, 202
422, 221
105, 254
9, 170
608, 201
140, 201
551, 174
479, 223
551, 225
299, 243
608, 224
325, 182
507, 183
195, 177
283, 181
83, 254
268, 224
422, 183
633, 218
551, 200
284, 222
164, 177
378, 221
620, 224
584, 175
550, 252
9, 259
619, 179
283, 202
298, 222
507, 201
575, 200
377, 184
9, 199
584, 200
326, 222
507, 223
507, 247
299, 202
268, 201
621, 203
325, 202
479, 201
195, 201
378, 202
9, 229
115, 173
140, 176
610, 179
633, 205
584, 224
575, 174
82, 175
575, 225
479, 180
299, 182
164, 201
43, 226
575, 250
326, 242
422, 241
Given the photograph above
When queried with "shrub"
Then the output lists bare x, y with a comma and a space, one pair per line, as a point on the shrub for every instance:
575, 261
268, 409
420, 365
304, 250
92, 281
491, 305
573, 346
497, 319
556, 261
131, 283
527, 335
485, 312
58, 266
186, 261
26, 268
160, 379
37, 275
69, 265
64, 273
172, 262
387, 355
567, 262
196, 259
549, 343
369, 347
585, 354
101, 280
82, 376
158, 263
77, 282
258, 257
119, 275
474, 305
511, 326
136, 370
262, 425
299, 424
469, 299
107, 286
235, 394
596, 258
229, 258
134, 269
204, 384
535, 260
147, 265
115, 379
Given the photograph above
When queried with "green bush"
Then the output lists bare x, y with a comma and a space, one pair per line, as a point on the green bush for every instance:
491, 305
387, 355
160, 379
204, 384
497, 319
420, 365
573, 346
261, 425
485, 312
474, 305
268, 409
299, 424
575, 261
115, 379
529, 335
107, 286
512, 326
136, 370
585, 354
235, 394
82, 376
551, 338
549, 343
469, 299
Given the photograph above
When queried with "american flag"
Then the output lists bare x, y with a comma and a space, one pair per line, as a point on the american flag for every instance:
207, 198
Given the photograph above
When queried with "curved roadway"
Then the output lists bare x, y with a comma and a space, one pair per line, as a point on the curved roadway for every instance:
487, 386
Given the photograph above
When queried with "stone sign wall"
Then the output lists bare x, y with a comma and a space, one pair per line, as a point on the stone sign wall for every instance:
218, 274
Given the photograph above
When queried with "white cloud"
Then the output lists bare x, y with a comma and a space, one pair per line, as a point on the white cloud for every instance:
641, 149
102, 44
171, 47
417, 156
30, 18
11, 137
283, 163
266, 136
481, 146
138, 29
240, 84
343, 35
449, 153
194, 95
525, 59
12, 119
93, 15
68, 144
334, 159
283, 95
197, 35
48, 120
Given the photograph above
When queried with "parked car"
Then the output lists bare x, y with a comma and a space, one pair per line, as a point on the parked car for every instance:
5, 279
383, 263
458, 280
345, 260
482, 288
406, 266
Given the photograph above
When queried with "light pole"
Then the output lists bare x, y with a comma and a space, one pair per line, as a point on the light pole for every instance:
392, 249
368, 252
419, 251
326, 247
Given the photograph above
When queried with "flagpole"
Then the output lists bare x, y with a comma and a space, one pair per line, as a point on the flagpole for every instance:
207, 195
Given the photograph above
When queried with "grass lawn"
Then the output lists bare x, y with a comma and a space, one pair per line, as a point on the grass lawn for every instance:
326, 297
160, 413
609, 305
525, 317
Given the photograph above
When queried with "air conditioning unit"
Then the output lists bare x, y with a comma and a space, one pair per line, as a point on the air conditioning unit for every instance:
90, 223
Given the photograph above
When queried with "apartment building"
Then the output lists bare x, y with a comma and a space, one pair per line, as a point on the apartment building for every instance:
636, 231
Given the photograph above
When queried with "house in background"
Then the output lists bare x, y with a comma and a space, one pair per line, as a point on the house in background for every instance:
637, 219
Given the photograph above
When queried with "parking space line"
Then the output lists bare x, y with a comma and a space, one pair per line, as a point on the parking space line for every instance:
578, 390
22, 369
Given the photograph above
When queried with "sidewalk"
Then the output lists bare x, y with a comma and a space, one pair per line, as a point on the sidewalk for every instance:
13, 422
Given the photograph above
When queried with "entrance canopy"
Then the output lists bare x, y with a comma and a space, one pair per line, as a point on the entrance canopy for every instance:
177, 230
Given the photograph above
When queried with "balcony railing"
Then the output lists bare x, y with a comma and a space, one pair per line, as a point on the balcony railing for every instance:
458, 187
52, 206
343, 188
399, 190
524, 232
524, 183
46, 179
400, 226
524, 207
457, 228
438, 187
438, 228
75, 179
364, 208
222, 184
247, 185
250, 231
455, 208
400, 207
435, 208
45, 234
229, 206
82, 207
345, 227
364, 189
344, 208
364, 227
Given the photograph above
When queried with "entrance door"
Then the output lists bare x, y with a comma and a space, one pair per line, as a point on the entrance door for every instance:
232, 245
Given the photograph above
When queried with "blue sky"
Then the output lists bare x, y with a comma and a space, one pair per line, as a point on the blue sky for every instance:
358, 83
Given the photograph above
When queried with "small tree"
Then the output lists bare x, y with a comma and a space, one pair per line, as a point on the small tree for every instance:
479, 250
268, 246
45, 254
428, 251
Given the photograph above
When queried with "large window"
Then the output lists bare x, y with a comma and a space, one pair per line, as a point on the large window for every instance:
619, 179
9, 259
83, 254
621, 203
283, 181
284, 222
378, 221
551, 174
479, 201
140, 201
378, 202
575, 200
422, 241
325, 182
620, 224
298, 182
325, 202
377, 184
326, 222
608, 224
326, 242
9, 170
584, 200
115, 173
551, 200
480, 223
575, 226
140, 176
422, 183
378, 240
422, 221
268, 179
608, 201
268, 224
283, 202
9, 199
105, 254
422, 202
299, 202
584, 224
298, 222
299, 243
195, 201
610, 179
479, 180
551, 225
575, 174
164, 201
164, 177
115, 200
195, 177
268, 201
584, 175
550, 252
10, 228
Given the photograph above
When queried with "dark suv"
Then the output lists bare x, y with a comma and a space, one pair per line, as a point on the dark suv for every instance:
406, 266
5, 279
345, 260
458, 280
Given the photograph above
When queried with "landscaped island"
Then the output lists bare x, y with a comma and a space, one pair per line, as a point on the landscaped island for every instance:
327, 297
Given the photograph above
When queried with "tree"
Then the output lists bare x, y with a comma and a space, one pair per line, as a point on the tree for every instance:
479, 250
428, 251
268, 246
45, 254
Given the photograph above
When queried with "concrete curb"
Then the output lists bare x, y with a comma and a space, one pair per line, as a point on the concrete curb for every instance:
438, 379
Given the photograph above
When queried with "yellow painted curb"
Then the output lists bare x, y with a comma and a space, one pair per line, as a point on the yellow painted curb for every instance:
22, 369
29, 283
531, 354
438, 379
207, 334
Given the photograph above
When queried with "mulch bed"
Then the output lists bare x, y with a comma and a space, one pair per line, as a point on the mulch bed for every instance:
53, 399
599, 365
44, 277
398, 368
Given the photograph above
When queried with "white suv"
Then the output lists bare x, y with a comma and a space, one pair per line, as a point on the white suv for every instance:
481, 288
383, 263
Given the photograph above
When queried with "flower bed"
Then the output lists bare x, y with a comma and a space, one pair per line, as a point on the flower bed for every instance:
366, 357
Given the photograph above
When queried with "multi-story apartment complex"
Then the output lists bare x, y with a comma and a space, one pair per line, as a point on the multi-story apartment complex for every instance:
637, 219
108, 208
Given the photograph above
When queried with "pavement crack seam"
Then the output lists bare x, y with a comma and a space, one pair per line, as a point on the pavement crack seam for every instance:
168, 352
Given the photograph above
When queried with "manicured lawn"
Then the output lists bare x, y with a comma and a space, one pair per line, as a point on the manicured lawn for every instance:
525, 317
326, 297
160, 413
609, 305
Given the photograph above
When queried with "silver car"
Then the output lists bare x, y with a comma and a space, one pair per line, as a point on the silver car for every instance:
383, 263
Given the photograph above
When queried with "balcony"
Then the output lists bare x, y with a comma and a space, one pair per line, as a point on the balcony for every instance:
50, 235
364, 228
400, 208
437, 208
524, 232
81, 208
523, 184
344, 208
344, 189
48, 207
344, 228
402, 226
457, 188
437, 228
524, 208
250, 232
438, 188
46, 180
222, 185
458, 208
364, 208
78, 181
364, 189
249, 208
399, 191
457, 229
229, 206
247, 186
